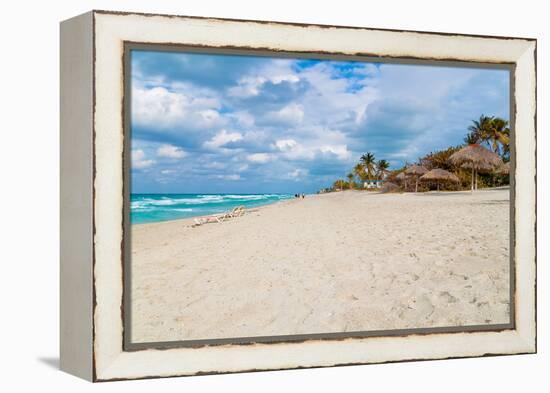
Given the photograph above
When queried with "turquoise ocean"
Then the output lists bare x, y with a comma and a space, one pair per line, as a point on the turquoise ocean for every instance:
146, 208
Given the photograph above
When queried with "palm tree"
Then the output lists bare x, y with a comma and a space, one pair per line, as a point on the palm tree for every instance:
382, 168
479, 129
472, 138
339, 184
493, 131
359, 171
500, 136
350, 180
368, 162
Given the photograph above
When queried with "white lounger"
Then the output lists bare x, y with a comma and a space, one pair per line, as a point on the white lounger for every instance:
235, 212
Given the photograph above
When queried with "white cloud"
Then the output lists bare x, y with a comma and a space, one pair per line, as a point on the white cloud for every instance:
139, 161
280, 70
335, 101
298, 174
275, 71
247, 87
292, 150
161, 108
243, 118
260, 158
170, 151
314, 143
232, 177
214, 165
340, 151
286, 144
366, 69
222, 138
291, 114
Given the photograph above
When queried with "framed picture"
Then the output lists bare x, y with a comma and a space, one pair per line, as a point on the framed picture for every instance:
245, 195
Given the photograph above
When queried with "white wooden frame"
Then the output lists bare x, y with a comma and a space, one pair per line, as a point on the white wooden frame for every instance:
92, 149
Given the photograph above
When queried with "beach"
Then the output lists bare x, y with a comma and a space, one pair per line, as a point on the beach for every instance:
337, 262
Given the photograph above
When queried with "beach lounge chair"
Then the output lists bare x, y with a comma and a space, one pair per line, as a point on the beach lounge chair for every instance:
205, 220
237, 211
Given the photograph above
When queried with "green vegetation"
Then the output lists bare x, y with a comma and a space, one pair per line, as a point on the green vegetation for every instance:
368, 163
478, 163
493, 132
382, 168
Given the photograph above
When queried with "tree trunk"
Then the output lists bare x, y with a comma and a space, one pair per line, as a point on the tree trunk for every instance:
437, 186
472, 178
416, 185
476, 178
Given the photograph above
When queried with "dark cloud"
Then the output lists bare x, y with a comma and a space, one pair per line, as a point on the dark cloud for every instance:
200, 69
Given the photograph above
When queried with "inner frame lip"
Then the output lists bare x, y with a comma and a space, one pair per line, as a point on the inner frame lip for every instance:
129, 46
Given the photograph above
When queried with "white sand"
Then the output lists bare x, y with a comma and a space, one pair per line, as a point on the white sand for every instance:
349, 261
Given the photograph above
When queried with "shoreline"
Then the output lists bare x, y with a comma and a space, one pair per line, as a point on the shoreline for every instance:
335, 262
367, 192
192, 218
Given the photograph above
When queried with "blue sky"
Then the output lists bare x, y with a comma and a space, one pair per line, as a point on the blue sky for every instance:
240, 124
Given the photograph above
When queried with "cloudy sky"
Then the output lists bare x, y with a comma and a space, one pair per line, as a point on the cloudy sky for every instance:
240, 124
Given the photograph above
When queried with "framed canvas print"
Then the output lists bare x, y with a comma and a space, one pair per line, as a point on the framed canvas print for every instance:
245, 195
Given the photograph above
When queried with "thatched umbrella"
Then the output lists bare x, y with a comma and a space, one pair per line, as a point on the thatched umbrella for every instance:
389, 187
439, 175
416, 171
477, 158
504, 169
480, 168
402, 178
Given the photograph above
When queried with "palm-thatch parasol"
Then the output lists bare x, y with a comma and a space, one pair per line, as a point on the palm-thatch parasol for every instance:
480, 168
439, 175
477, 158
416, 171
504, 169
389, 187
402, 178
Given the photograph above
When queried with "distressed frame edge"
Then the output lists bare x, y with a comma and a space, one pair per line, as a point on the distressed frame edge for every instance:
526, 289
529, 344
304, 24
